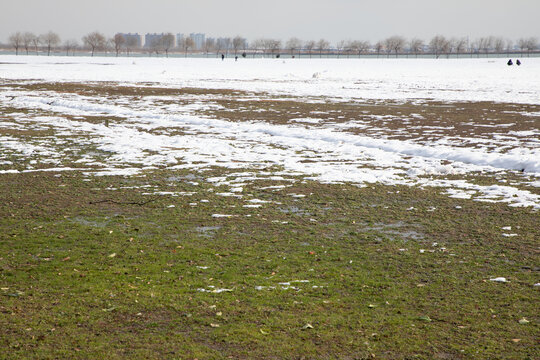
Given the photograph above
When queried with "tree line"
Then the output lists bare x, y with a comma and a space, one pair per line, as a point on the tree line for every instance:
438, 46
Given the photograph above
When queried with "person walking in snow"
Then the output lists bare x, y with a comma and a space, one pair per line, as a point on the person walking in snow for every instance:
222, 57
510, 63
518, 62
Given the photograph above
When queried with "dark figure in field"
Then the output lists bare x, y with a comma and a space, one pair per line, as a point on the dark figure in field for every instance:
222, 57
518, 62
236, 58
244, 54
510, 63
278, 56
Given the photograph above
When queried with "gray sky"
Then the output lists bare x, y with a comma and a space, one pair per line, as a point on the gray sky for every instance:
333, 20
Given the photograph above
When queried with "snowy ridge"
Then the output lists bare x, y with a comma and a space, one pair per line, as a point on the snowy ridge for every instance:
319, 140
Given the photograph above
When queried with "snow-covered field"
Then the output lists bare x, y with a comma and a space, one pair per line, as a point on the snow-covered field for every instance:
441, 79
179, 131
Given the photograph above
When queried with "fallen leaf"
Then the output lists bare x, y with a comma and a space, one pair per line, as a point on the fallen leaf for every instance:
307, 326
516, 340
524, 321
263, 332
214, 325
112, 255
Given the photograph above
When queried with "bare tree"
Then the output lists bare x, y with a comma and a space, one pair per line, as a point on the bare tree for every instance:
95, 40
109, 44
118, 41
256, 45
187, 44
448, 47
357, 47
267, 45
395, 44
509, 46
340, 45
16, 41
70, 45
485, 43
27, 38
416, 45
50, 40
238, 43
363, 47
522, 44
209, 44
322, 45
294, 44
167, 42
498, 44
378, 47
475, 48
226, 44
460, 45
437, 45
218, 46
131, 43
310, 45
35, 42
388, 46
352, 46
155, 45
274, 46
530, 44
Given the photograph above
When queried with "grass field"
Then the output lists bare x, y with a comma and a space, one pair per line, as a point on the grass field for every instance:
259, 262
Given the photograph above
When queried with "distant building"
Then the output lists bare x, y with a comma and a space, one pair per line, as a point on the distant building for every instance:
198, 39
180, 39
133, 40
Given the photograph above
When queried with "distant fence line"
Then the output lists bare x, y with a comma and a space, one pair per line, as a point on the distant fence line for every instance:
285, 53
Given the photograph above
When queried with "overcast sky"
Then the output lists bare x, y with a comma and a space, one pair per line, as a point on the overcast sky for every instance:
333, 20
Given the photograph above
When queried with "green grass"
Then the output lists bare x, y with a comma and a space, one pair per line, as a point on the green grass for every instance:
103, 267
378, 286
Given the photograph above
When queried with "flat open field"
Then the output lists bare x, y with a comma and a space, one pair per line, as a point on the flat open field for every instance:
269, 209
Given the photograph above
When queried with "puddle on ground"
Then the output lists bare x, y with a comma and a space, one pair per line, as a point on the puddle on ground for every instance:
294, 210
85, 222
207, 231
397, 229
